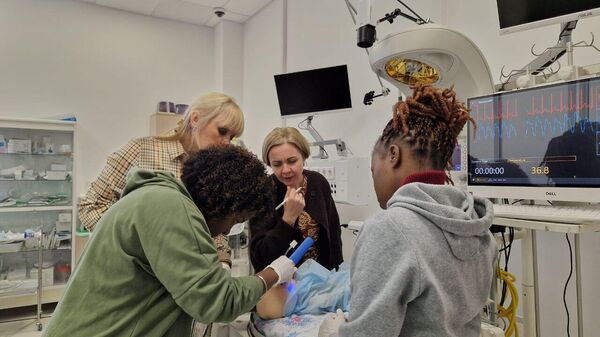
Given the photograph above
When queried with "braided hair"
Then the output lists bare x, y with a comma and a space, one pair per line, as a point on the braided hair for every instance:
429, 123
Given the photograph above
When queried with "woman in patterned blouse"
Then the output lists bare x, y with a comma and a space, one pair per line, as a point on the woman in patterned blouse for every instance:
212, 119
309, 212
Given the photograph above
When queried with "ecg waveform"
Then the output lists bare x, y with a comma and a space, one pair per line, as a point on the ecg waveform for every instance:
487, 131
514, 106
557, 126
538, 127
548, 113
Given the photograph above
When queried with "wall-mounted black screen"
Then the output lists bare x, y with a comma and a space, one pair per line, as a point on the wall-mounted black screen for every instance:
313, 91
544, 136
518, 12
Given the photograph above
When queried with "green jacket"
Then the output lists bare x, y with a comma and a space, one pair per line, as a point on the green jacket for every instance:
150, 267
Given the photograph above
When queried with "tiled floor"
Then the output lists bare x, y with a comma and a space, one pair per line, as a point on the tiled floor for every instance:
21, 322
28, 328
22, 328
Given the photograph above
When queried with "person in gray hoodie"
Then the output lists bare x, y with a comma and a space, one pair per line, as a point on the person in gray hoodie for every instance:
424, 265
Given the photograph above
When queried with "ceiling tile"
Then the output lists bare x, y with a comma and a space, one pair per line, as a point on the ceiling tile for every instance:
246, 7
136, 6
199, 12
209, 3
183, 11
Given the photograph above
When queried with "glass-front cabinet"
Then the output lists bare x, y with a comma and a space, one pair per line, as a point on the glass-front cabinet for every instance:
37, 212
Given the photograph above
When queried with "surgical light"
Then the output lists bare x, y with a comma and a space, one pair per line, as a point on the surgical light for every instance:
411, 72
432, 54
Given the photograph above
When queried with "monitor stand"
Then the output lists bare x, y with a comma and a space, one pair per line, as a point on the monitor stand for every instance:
551, 54
572, 204
340, 145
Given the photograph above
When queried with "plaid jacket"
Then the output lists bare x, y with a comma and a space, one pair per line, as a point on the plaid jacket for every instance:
148, 153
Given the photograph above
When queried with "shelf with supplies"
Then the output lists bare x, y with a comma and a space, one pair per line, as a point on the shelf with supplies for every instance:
28, 297
38, 213
32, 180
35, 209
67, 154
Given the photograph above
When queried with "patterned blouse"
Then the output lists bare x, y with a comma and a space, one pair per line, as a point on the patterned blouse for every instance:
148, 153
308, 227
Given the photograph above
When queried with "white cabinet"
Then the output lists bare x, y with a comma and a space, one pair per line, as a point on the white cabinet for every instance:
162, 123
37, 210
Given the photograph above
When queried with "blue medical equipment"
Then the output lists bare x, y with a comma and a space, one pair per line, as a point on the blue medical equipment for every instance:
301, 250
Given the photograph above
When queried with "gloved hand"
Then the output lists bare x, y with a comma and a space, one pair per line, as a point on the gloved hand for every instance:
284, 267
331, 324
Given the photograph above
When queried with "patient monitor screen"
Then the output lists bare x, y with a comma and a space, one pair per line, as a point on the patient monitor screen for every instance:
542, 136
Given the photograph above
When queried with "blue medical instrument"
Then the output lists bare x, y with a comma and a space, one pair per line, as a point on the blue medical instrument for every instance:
302, 249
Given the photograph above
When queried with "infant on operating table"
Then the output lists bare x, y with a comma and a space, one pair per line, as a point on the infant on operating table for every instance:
315, 291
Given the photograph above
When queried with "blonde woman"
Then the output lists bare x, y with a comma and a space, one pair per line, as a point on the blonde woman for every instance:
309, 211
212, 119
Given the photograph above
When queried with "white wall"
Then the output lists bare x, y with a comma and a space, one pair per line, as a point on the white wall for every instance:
320, 34
263, 36
107, 67
229, 61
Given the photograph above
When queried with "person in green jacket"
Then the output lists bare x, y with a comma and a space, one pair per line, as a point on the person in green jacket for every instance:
151, 265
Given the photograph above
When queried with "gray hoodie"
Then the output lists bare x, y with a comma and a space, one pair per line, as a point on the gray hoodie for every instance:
424, 266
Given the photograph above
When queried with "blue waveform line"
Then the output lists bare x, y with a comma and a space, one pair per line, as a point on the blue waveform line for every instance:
488, 130
538, 126
558, 126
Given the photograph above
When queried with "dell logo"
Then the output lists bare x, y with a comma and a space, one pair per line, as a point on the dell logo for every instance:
551, 194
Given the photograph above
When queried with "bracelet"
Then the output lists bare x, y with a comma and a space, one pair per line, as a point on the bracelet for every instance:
263, 282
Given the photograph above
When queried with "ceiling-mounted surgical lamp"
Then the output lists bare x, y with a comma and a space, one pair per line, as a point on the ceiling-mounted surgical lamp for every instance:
427, 53
432, 54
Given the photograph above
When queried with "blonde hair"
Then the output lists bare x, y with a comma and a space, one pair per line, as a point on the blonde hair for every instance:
208, 107
285, 135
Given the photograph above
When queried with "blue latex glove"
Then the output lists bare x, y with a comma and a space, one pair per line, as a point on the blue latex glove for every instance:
331, 324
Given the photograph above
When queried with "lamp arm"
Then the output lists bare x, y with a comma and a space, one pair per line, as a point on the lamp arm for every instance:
389, 17
367, 34
398, 12
363, 13
414, 13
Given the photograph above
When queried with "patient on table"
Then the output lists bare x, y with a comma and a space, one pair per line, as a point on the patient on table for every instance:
315, 291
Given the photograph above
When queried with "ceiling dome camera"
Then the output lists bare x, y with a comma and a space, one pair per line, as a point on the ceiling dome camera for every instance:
219, 12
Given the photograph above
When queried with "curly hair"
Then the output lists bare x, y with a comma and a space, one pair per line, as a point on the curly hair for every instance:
429, 122
226, 180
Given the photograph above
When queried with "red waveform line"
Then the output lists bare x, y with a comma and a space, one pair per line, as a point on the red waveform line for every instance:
577, 102
507, 109
489, 112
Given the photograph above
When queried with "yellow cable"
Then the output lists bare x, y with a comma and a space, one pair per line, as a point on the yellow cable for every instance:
509, 312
